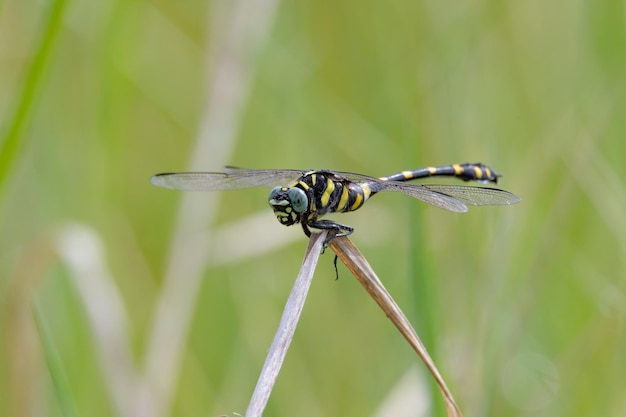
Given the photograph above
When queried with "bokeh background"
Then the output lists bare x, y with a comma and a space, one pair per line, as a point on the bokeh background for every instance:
120, 298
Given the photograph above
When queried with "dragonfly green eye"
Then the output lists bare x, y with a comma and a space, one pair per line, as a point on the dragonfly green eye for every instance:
298, 199
275, 195
288, 204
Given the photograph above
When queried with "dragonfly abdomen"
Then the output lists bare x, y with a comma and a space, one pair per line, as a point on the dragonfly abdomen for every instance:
467, 172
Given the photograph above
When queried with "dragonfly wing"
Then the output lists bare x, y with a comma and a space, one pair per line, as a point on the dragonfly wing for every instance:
476, 196
449, 197
231, 179
423, 193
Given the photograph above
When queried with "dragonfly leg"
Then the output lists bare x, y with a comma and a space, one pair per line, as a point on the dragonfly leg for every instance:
336, 229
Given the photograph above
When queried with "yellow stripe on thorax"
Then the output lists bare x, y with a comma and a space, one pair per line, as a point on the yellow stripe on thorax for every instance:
478, 173
361, 198
458, 169
343, 200
330, 187
358, 201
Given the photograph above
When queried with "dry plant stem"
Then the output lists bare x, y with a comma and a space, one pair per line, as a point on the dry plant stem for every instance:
286, 328
360, 268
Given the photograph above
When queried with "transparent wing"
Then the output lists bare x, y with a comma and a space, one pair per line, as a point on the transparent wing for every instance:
449, 197
476, 196
232, 178
423, 193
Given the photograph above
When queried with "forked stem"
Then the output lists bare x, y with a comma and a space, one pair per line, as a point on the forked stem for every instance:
360, 268
363, 272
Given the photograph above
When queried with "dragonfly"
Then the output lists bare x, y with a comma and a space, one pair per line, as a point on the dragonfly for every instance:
305, 196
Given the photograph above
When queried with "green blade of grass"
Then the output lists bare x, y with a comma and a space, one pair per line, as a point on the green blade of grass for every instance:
13, 138
57, 374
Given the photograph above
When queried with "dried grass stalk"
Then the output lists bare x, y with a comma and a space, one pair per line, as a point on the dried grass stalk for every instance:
286, 328
360, 268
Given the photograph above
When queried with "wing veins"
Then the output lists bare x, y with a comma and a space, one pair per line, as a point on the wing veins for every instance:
449, 197
231, 179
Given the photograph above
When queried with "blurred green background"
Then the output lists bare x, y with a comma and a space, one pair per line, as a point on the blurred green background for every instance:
120, 298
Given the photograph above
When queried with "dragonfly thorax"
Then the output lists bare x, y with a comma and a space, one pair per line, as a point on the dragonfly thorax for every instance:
288, 204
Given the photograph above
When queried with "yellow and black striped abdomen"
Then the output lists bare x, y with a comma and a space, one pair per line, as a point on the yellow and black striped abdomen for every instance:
466, 172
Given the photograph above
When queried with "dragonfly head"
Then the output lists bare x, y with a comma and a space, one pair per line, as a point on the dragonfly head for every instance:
288, 204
